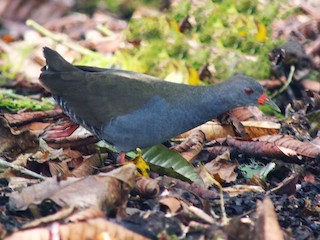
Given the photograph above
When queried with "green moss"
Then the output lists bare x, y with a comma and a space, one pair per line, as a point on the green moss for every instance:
15, 102
181, 10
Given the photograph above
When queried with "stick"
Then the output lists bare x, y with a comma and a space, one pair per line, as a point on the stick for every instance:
5, 164
60, 40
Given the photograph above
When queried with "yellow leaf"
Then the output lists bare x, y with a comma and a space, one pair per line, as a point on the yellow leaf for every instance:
243, 34
142, 166
174, 25
193, 76
262, 32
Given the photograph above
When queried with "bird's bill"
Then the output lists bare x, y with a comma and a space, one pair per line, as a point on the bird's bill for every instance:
264, 100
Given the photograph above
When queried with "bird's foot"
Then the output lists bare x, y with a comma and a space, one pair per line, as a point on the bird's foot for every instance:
121, 157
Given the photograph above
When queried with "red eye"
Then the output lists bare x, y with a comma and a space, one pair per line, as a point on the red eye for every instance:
248, 91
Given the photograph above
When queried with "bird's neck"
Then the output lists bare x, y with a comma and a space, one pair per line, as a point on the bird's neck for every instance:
202, 104
215, 100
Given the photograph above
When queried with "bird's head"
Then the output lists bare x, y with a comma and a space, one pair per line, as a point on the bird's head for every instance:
250, 90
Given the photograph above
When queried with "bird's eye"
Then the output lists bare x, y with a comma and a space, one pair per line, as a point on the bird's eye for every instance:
248, 91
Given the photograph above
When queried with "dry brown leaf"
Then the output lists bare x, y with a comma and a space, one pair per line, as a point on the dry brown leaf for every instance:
215, 130
191, 146
173, 204
88, 165
271, 84
75, 141
23, 118
217, 147
85, 214
267, 226
261, 128
60, 215
95, 229
275, 146
201, 214
31, 234
63, 162
287, 186
48, 153
311, 85
172, 183
108, 193
236, 190
35, 127
238, 127
306, 149
59, 168
247, 113
125, 174
35, 194
221, 168
255, 148
41, 11
257, 181
212, 130
18, 183
12, 143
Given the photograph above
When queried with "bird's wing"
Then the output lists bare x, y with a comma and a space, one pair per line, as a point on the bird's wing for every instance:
98, 97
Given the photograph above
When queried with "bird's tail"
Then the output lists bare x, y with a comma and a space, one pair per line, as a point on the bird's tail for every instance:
55, 62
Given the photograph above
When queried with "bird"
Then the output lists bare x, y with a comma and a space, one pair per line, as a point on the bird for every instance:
131, 110
290, 54
290, 59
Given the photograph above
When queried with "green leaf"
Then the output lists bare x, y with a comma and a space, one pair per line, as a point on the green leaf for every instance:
165, 161
258, 168
248, 170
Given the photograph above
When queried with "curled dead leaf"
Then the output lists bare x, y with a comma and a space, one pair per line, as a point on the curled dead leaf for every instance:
306, 149
212, 130
276, 146
253, 128
173, 204
147, 187
221, 168
191, 146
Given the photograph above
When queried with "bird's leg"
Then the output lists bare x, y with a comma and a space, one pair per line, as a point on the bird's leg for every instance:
121, 157
64, 129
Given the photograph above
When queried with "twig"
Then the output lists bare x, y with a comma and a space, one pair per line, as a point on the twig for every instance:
104, 30
104, 144
60, 40
215, 182
289, 80
5, 164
